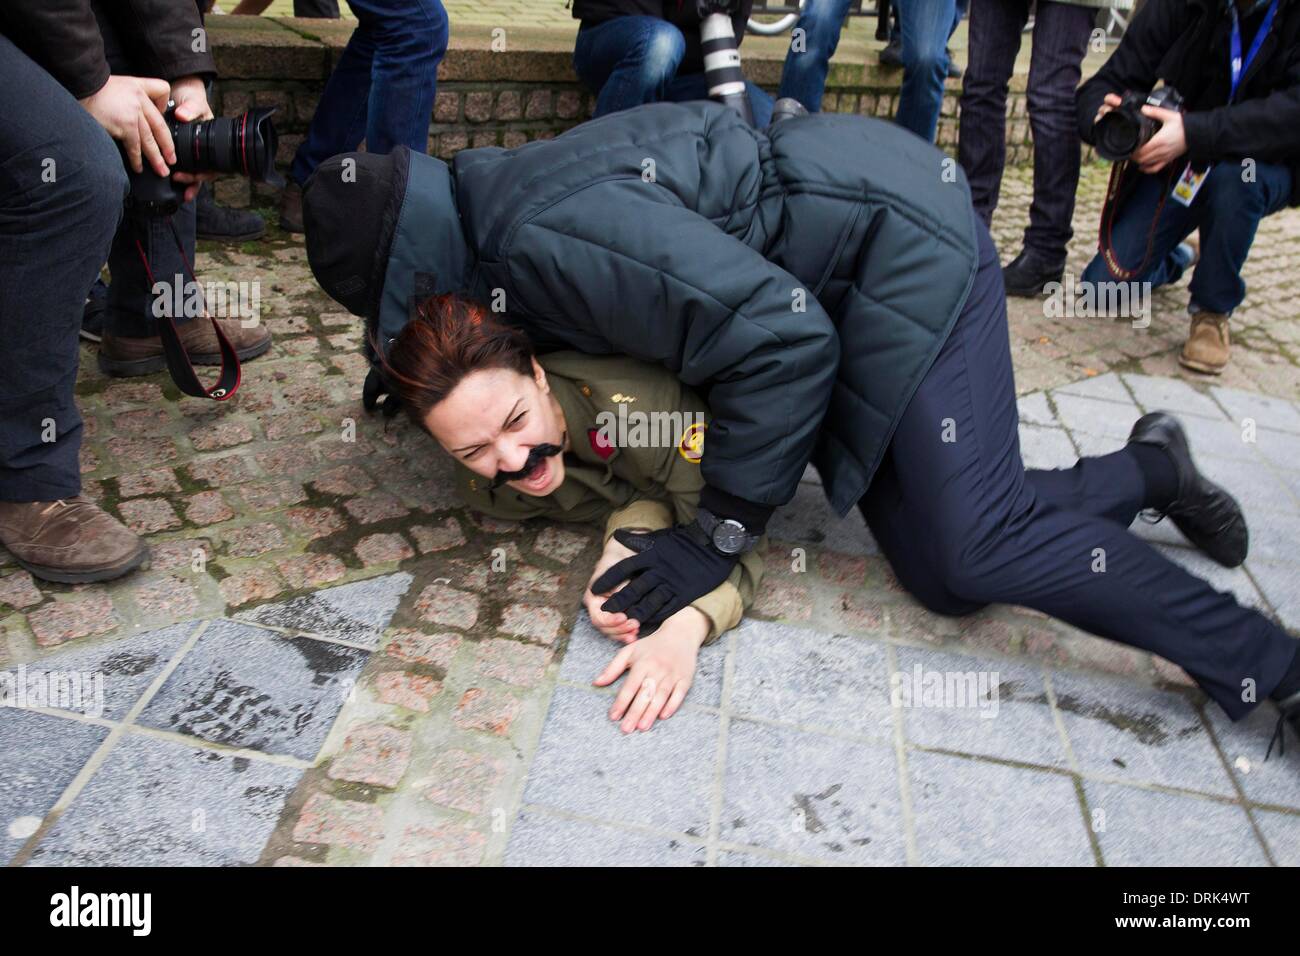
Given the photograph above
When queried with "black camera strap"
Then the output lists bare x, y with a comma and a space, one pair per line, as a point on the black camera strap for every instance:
1108, 208
174, 351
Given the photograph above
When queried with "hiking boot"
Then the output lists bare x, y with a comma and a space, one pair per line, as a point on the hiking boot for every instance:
1207, 346
71, 541
122, 356
892, 54
213, 221
291, 208
1206, 514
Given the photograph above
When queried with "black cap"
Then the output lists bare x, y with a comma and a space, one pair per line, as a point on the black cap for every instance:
350, 207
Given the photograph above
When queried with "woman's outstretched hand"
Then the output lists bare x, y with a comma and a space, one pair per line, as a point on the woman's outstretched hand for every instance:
660, 670
618, 627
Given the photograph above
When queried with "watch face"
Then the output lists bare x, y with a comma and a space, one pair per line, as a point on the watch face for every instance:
729, 536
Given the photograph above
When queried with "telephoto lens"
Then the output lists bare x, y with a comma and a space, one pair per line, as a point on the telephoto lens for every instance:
722, 71
243, 144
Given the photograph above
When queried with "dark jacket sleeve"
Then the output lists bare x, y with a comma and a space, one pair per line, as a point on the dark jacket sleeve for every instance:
1135, 61
664, 284
62, 36
165, 38
1266, 129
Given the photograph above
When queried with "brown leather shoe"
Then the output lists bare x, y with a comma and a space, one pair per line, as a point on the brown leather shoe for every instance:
1206, 348
291, 208
71, 540
123, 356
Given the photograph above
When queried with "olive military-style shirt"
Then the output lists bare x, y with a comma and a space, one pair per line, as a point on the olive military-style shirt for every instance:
635, 440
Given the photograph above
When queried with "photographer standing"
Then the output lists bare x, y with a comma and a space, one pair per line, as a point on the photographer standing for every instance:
1229, 158
62, 185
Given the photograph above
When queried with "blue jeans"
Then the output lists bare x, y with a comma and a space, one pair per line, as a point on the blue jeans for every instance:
632, 60
382, 88
804, 74
53, 239
1226, 210
926, 26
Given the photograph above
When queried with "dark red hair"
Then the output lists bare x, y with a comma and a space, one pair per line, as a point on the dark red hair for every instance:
449, 337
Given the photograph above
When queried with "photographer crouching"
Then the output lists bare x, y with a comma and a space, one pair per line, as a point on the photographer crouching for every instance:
1199, 107
74, 77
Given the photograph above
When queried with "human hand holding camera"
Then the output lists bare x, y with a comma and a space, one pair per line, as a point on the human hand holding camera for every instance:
191, 99
130, 109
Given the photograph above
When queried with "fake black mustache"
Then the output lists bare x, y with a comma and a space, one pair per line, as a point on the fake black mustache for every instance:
534, 459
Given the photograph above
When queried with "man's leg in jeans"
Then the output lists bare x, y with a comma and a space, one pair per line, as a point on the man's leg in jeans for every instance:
685, 87
339, 123
1135, 229
628, 61
410, 39
807, 62
995, 27
1060, 41
1231, 209
926, 26
54, 236
982, 530
61, 190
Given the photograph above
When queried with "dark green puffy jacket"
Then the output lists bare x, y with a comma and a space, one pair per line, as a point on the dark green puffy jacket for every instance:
678, 234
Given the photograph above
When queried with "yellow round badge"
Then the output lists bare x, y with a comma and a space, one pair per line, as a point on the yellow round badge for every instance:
691, 447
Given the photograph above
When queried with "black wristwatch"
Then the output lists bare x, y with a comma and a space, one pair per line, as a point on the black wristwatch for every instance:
727, 535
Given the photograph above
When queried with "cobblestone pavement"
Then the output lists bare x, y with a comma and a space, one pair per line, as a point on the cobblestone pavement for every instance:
330, 661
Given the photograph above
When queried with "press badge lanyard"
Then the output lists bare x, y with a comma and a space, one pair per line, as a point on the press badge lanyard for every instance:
1189, 183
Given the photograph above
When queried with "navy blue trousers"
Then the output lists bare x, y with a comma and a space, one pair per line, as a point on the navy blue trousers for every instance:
964, 524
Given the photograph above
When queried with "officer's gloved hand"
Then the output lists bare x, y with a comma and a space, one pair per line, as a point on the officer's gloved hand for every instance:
671, 569
377, 393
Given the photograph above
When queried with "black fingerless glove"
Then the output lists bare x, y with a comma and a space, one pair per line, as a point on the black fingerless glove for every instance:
671, 569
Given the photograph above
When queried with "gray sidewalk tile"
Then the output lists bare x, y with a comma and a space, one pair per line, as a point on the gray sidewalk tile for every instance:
802, 676
1276, 538
1150, 828
812, 796
159, 803
1131, 732
1092, 416
975, 813
542, 839
1282, 832
1046, 447
1265, 410
1259, 492
1106, 387
356, 612
1245, 742
1157, 393
1282, 450
589, 652
808, 519
246, 687
661, 778
1016, 724
40, 756
1219, 439
1033, 409
1281, 585
106, 679
733, 858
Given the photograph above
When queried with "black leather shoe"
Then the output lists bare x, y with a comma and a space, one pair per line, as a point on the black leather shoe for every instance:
1289, 713
954, 71
1206, 514
224, 223
892, 54
1026, 274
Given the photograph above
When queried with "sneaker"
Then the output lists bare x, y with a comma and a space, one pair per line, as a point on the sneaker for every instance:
70, 541
123, 357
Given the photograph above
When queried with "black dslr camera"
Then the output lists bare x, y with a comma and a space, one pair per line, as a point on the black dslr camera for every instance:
243, 144
1124, 130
